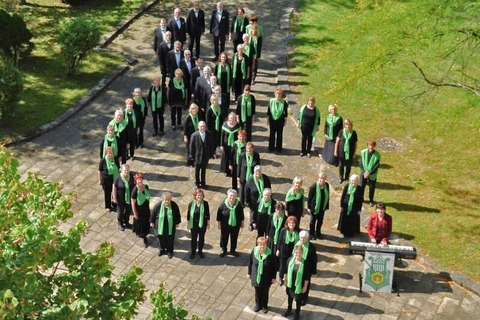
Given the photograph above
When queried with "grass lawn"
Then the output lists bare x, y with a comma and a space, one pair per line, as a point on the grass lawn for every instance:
361, 59
48, 90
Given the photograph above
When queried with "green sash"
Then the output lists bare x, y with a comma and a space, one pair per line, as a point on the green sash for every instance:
217, 116
299, 278
291, 236
143, 196
331, 121
194, 121
112, 168
263, 204
179, 86
368, 165
318, 196
246, 107
249, 159
161, 219
240, 146
127, 189
193, 205
134, 117
351, 193
140, 101
113, 144
118, 127
243, 67
261, 259
277, 223
292, 196
156, 98
231, 134
317, 119
346, 146
276, 108
232, 217
219, 74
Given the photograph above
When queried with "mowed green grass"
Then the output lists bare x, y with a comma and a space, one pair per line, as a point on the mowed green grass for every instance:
48, 90
362, 61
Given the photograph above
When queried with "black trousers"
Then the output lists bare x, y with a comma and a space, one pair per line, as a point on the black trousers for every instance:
124, 211
316, 221
261, 296
247, 126
176, 115
344, 168
107, 192
200, 173
218, 45
307, 140
165, 243
372, 184
197, 233
275, 139
229, 232
194, 40
140, 134
158, 120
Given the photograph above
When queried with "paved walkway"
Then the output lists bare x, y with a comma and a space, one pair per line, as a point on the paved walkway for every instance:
214, 286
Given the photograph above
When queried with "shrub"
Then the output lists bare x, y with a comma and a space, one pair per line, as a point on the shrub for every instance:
15, 37
11, 84
77, 38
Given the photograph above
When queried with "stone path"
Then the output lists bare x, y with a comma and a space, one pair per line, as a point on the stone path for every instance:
214, 286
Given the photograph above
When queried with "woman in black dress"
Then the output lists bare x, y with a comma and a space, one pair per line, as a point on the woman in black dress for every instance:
246, 105
141, 209
238, 28
198, 222
333, 125
308, 122
122, 190
350, 208
286, 241
345, 149
191, 125
262, 273
240, 71
263, 211
107, 173
119, 125
223, 71
294, 200
228, 137
165, 219
213, 119
141, 106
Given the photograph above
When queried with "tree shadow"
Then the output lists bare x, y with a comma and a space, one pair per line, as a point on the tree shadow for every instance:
392, 186
411, 207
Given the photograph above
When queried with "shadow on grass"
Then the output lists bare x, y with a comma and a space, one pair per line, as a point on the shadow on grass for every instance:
411, 207
392, 186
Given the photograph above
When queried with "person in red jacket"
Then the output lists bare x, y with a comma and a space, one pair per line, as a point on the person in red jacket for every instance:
379, 226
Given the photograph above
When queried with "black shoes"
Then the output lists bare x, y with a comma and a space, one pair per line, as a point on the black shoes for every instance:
223, 254
201, 255
234, 253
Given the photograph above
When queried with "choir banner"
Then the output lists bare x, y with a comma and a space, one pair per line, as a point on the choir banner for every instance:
378, 272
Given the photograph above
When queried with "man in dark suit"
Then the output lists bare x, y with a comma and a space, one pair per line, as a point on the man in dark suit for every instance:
163, 50
159, 34
201, 150
173, 58
195, 27
219, 25
187, 64
197, 72
203, 90
177, 26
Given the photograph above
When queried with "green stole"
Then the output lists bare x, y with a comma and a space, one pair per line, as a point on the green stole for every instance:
299, 278
156, 98
263, 204
127, 189
259, 184
246, 110
161, 219
118, 127
232, 217
240, 146
346, 146
276, 108
249, 159
179, 86
111, 168
134, 117
243, 67
292, 196
291, 236
140, 101
246, 50
254, 40
143, 196
193, 205
231, 134
261, 259
318, 195
219, 73
351, 193
238, 23
277, 223
114, 145
331, 120
304, 248
368, 165
194, 121
317, 119
217, 116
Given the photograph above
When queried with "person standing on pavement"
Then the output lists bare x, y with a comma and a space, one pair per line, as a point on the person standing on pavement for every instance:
350, 208
187, 64
157, 99
254, 189
265, 209
122, 189
133, 119
201, 150
286, 241
295, 201
308, 123
107, 173
110, 140
177, 97
237, 150
345, 150
140, 199
177, 26
195, 27
309, 255
318, 202
333, 125
275, 224
223, 71
277, 114
230, 129
248, 161
213, 119
246, 105
165, 219
174, 57
119, 125
230, 220
262, 273
238, 28
159, 37
240, 71
163, 50
219, 24
191, 125
198, 222
141, 107
369, 165
202, 91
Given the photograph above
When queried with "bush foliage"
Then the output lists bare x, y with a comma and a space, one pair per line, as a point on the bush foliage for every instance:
11, 85
15, 37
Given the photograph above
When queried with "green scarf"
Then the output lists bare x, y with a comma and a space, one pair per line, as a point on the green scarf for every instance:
243, 67
143, 196
351, 193
113, 144
161, 219
238, 23
304, 249
217, 116
315, 124
219, 73
291, 236
194, 121
346, 146
331, 121
231, 134
179, 86
246, 51
140, 101
118, 127
368, 165
277, 223
134, 117
193, 205
292, 196
263, 204
299, 278
232, 217
156, 98
276, 108
261, 259
240, 146
259, 184
318, 196
127, 189
249, 159
246, 110
254, 40
112, 168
